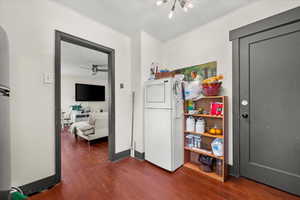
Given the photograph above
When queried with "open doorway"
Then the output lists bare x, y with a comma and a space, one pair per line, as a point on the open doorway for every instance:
84, 103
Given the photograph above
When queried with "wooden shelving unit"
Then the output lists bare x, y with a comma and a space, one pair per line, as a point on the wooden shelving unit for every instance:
191, 154
203, 152
204, 115
197, 169
211, 97
205, 134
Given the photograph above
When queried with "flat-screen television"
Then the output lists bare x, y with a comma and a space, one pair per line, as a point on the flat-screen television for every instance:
85, 92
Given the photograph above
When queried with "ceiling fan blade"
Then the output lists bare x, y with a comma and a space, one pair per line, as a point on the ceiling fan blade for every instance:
88, 68
101, 66
102, 70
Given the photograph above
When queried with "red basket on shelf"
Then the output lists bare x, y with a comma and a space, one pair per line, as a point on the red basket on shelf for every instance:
212, 89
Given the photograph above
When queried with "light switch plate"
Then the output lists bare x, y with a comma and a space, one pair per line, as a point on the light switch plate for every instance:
48, 78
121, 85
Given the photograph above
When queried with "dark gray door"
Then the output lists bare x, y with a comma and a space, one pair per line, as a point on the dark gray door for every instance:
270, 122
4, 118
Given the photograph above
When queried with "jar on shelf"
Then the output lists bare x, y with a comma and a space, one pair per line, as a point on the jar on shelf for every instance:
200, 125
190, 124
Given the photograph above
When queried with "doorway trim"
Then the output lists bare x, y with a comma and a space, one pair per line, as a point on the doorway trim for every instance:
59, 37
282, 19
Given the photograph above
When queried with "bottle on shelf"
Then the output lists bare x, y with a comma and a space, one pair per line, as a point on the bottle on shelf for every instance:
219, 167
189, 140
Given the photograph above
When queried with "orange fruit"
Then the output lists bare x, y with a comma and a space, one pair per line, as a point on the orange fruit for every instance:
212, 131
218, 131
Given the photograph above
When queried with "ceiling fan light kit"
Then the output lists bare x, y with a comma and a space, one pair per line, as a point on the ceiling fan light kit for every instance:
184, 4
94, 69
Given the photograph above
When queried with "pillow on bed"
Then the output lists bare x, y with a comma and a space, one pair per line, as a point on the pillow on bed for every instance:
92, 120
87, 127
88, 132
83, 126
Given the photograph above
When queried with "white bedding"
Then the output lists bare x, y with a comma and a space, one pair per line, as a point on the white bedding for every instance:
96, 127
83, 126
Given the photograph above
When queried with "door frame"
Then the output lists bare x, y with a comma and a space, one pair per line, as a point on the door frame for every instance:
282, 19
59, 37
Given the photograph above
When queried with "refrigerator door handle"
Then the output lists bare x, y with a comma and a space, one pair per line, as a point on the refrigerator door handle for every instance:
4, 91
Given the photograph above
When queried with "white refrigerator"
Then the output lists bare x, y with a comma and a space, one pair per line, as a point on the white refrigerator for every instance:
4, 118
163, 123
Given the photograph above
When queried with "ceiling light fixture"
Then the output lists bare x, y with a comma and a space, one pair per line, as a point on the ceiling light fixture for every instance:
190, 5
172, 10
159, 2
184, 4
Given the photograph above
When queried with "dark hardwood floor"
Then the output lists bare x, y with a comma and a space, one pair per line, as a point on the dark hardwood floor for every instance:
88, 175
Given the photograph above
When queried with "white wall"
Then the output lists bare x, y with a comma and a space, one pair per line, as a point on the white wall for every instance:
30, 26
146, 50
68, 92
211, 43
137, 89
151, 51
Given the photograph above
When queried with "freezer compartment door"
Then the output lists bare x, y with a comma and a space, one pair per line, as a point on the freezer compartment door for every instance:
4, 147
158, 131
158, 93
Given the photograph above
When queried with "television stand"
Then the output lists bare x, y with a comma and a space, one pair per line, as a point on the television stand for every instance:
78, 117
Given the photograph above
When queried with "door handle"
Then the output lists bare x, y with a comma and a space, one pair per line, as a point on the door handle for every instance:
245, 115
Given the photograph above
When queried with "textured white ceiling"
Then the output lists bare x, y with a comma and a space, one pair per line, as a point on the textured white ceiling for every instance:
75, 58
131, 16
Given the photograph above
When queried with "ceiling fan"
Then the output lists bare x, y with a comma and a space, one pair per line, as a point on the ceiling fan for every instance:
97, 68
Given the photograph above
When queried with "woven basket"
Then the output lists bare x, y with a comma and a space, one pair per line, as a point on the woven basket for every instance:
212, 89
